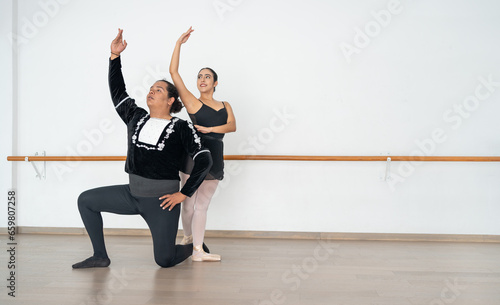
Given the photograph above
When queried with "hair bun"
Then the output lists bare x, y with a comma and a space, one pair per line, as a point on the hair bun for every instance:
176, 106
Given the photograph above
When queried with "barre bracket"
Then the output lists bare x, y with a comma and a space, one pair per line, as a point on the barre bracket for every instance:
40, 175
388, 169
386, 176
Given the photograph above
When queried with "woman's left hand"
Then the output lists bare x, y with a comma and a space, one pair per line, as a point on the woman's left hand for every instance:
203, 129
171, 200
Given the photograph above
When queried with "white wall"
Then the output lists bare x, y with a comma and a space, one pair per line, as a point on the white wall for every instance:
7, 179
304, 78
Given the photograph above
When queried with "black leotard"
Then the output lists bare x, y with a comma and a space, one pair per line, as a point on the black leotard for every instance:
209, 117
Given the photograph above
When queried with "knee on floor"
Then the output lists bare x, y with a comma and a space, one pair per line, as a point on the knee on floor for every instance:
164, 262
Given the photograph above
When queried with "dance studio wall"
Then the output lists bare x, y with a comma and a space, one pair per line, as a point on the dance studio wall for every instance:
6, 113
317, 77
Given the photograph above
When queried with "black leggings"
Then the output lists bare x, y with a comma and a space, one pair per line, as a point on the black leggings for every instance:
117, 199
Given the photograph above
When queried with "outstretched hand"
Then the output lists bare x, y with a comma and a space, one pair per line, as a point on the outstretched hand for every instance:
118, 44
171, 200
185, 36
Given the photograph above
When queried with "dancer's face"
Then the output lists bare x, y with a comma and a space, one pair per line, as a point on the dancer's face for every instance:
206, 81
158, 95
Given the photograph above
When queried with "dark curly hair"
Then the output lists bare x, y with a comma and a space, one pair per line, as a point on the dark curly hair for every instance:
172, 92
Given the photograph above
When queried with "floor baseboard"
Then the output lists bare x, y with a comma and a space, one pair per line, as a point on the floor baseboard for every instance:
277, 234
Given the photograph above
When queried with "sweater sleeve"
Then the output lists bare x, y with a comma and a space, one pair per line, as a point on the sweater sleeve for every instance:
201, 157
124, 104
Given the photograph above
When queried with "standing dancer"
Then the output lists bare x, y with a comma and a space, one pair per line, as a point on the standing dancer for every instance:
212, 119
157, 143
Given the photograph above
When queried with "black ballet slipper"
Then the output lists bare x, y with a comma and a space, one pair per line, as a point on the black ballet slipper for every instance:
92, 262
205, 248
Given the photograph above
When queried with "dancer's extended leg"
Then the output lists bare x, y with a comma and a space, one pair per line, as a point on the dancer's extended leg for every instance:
114, 199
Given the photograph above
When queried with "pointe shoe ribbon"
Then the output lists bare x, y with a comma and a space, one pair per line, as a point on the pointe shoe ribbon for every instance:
187, 240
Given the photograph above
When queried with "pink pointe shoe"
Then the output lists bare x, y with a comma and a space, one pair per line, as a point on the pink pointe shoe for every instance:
201, 256
187, 240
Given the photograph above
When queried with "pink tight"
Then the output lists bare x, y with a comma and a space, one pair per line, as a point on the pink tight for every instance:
194, 210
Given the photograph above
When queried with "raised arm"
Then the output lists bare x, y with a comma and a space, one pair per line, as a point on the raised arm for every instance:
115, 77
118, 45
187, 98
124, 105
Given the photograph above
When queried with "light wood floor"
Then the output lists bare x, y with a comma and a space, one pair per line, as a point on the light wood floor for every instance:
256, 272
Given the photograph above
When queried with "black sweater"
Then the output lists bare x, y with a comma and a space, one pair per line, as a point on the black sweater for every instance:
163, 160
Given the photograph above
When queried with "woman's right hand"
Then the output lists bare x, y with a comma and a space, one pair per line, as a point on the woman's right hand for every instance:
185, 36
118, 44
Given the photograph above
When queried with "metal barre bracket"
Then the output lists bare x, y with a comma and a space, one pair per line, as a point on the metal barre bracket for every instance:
388, 169
39, 175
386, 176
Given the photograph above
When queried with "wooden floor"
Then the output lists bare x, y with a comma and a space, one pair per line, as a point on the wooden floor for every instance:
255, 272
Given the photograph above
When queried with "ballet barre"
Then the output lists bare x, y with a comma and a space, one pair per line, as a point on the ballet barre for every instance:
277, 158
388, 159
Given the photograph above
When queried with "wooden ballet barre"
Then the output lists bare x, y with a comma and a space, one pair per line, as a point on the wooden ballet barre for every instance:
277, 158
66, 158
364, 158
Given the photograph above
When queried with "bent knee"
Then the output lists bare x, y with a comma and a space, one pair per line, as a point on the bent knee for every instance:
85, 199
164, 262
